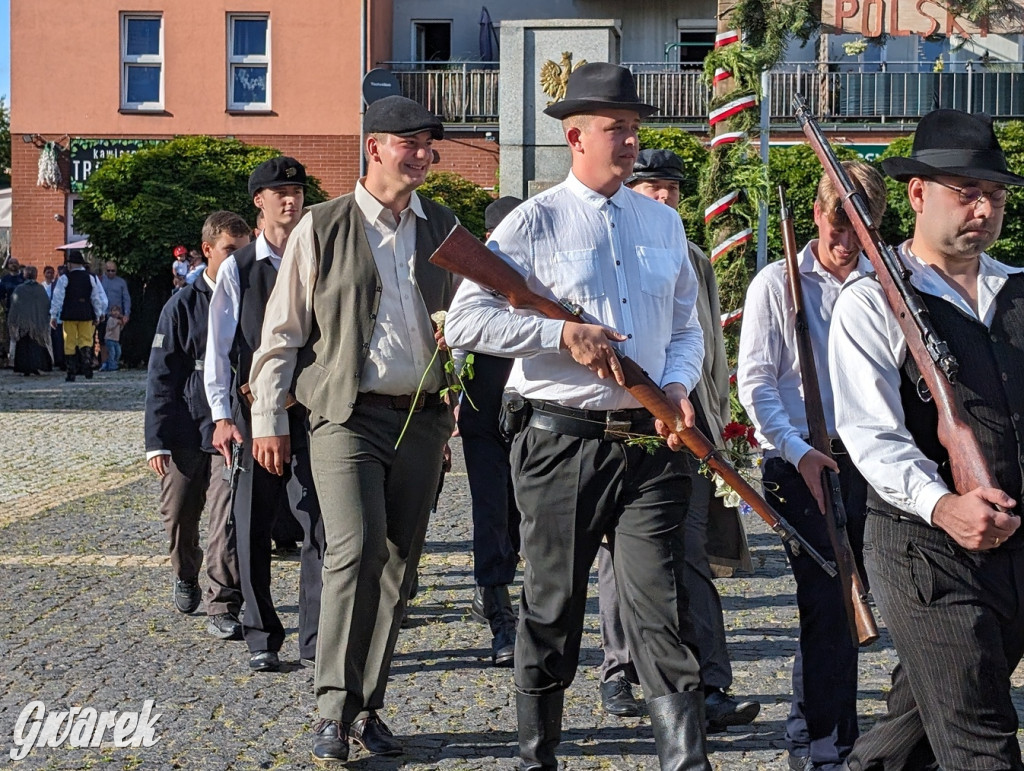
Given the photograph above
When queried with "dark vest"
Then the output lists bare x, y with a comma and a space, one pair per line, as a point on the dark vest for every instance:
988, 389
346, 299
78, 297
256, 279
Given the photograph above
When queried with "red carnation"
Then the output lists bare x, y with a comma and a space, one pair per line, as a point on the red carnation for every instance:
734, 430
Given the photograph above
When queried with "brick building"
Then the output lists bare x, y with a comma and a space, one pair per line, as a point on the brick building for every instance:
265, 72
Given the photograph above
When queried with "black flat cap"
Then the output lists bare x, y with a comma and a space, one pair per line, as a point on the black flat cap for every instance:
497, 210
657, 164
599, 86
402, 117
277, 172
75, 258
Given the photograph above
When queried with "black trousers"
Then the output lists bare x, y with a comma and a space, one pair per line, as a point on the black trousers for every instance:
957, 619
571, 493
822, 719
258, 499
495, 516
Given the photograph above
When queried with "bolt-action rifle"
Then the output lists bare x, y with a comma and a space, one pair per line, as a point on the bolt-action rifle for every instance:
858, 613
463, 254
934, 360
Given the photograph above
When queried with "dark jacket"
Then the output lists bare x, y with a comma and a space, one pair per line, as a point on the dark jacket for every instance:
177, 412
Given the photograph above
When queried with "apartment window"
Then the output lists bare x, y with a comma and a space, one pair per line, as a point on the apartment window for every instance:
249, 62
142, 62
696, 39
432, 40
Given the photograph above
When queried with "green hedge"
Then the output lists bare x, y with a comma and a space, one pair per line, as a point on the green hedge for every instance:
467, 199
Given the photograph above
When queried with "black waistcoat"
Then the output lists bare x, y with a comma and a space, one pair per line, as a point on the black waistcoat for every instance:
78, 297
256, 279
989, 388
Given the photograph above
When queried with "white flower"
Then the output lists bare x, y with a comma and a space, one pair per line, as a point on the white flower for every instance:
438, 318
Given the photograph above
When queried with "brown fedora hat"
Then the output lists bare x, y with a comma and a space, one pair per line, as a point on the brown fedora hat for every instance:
599, 86
956, 143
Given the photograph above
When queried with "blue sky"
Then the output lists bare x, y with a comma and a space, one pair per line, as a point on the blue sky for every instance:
5, 49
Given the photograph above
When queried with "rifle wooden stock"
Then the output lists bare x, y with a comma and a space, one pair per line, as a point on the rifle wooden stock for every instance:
863, 629
463, 254
938, 367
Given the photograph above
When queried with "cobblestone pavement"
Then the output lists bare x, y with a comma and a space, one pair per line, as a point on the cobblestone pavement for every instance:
89, 623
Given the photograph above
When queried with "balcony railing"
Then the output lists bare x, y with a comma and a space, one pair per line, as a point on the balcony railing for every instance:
467, 92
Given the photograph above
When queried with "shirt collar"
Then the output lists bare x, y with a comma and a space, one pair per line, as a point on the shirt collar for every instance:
212, 283
992, 274
809, 264
263, 250
372, 209
594, 198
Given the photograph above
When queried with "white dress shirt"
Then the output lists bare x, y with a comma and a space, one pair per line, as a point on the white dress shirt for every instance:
623, 259
223, 324
867, 351
98, 297
768, 375
402, 343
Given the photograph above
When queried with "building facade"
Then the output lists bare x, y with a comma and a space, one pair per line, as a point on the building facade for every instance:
93, 80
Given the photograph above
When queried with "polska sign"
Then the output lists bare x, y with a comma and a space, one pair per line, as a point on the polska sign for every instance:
899, 18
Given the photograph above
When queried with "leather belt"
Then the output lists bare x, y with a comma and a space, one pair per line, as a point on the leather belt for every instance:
609, 425
401, 402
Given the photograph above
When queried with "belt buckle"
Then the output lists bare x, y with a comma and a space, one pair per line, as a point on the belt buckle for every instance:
616, 430
420, 402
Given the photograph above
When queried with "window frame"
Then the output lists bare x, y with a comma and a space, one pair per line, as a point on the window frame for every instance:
233, 61
141, 60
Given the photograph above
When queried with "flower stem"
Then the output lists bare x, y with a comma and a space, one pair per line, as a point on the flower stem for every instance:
416, 396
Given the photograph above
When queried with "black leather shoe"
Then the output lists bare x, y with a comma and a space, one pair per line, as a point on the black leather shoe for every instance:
372, 735
330, 742
308, 663
265, 661
722, 710
224, 626
503, 646
617, 698
187, 596
476, 608
799, 762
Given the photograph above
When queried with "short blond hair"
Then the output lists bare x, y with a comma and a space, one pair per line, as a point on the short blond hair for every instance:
870, 185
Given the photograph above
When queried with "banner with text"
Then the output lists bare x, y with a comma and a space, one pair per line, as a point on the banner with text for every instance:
88, 154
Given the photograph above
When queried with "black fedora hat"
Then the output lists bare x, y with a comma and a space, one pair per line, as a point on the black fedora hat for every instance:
955, 143
657, 164
599, 86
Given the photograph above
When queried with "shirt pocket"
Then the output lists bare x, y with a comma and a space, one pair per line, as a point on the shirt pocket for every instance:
574, 275
659, 270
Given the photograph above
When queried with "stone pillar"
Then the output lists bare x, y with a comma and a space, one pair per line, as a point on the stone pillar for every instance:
533, 151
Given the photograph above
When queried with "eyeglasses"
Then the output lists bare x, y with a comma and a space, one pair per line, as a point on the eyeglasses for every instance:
972, 196
111, 271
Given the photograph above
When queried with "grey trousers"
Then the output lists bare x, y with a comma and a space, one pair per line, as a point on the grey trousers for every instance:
957, 620
572, 492
705, 603
375, 502
195, 479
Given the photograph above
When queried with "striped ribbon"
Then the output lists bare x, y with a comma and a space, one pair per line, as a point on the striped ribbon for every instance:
729, 318
721, 205
728, 37
732, 108
728, 137
732, 241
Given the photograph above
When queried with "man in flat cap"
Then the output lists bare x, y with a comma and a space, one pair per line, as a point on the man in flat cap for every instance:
658, 174
495, 517
244, 284
349, 323
623, 257
946, 563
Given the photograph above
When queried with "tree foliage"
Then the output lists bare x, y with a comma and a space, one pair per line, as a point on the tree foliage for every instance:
137, 207
467, 199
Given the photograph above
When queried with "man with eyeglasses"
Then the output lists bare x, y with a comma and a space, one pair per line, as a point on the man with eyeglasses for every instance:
946, 568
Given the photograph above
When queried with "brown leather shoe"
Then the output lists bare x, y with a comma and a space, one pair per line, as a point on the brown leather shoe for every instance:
330, 742
375, 737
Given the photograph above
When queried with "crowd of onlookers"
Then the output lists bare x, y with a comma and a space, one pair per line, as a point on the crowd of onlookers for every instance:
32, 339
32, 331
